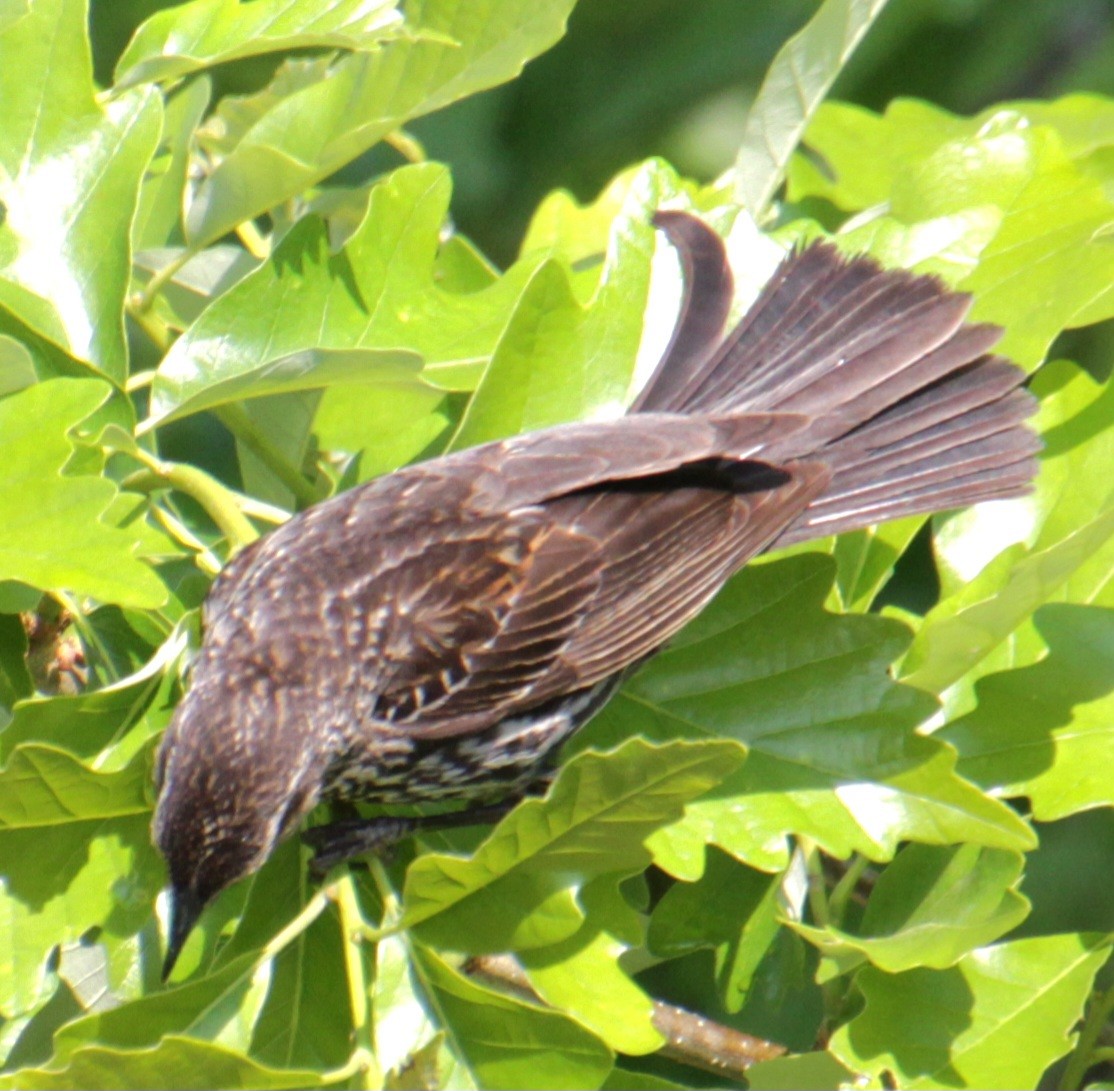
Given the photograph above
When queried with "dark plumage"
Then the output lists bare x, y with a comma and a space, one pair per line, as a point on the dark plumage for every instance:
436, 634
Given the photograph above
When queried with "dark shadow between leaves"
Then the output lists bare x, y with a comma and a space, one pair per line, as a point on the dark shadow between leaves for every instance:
915, 1017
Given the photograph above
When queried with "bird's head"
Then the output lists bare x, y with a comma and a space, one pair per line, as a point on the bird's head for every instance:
233, 782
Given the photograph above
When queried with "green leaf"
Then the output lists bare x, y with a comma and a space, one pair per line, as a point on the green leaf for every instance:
403, 1026
856, 155
1065, 877
1070, 490
834, 753
87, 723
931, 906
966, 627
1027, 226
195, 284
622, 1079
795, 85
207, 1007
559, 360
802, 1072
386, 427
998, 1018
300, 1023
17, 366
457, 50
581, 976
731, 908
508, 1043
174, 1062
308, 318
69, 177
1051, 262
158, 219
15, 681
189, 37
1046, 731
865, 559
519, 888
75, 852
40, 546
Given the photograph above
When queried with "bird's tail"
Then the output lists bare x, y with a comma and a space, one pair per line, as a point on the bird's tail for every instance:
908, 407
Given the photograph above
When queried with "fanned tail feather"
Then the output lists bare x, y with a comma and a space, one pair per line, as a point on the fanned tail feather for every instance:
907, 406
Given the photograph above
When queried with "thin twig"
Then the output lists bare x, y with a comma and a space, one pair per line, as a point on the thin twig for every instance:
845, 888
351, 924
255, 242
1083, 1057
141, 302
237, 421
690, 1038
407, 145
220, 504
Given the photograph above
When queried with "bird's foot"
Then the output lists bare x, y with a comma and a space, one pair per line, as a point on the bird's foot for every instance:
340, 841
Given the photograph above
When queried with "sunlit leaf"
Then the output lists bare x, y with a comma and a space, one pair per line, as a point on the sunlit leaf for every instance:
187, 37
70, 170
505, 1042
1029, 223
795, 85
802, 1072
75, 852
1046, 731
308, 318
60, 540
158, 218
592, 822
174, 1062
996, 1019
458, 50
833, 748
562, 359
731, 908
930, 907
581, 976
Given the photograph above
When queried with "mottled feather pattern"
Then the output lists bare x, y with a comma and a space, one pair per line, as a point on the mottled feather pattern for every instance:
435, 635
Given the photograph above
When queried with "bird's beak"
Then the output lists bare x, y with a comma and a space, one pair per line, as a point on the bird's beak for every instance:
185, 908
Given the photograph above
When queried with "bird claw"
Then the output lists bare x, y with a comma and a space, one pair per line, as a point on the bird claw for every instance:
341, 841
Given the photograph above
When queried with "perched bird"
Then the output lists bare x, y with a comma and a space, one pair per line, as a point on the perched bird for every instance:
436, 634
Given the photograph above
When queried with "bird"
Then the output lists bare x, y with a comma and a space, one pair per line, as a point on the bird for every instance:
433, 636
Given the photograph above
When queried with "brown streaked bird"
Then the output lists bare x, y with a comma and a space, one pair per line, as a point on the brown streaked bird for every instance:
435, 635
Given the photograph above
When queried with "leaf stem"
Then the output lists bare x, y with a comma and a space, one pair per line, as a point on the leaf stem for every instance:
155, 328
352, 926
817, 884
1085, 1055
206, 559
842, 891
142, 301
255, 242
237, 421
220, 504
310, 912
139, 380
407, 145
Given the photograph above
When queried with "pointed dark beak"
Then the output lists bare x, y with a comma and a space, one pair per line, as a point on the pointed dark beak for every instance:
185, 908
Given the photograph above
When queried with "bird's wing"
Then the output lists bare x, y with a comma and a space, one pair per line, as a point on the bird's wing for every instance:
551, 575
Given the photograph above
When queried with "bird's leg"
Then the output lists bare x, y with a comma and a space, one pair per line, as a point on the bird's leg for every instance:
340, 841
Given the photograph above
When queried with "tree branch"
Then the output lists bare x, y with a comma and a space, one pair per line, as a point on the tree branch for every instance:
690, 1038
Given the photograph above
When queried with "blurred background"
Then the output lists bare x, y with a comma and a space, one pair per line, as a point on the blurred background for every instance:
675, 78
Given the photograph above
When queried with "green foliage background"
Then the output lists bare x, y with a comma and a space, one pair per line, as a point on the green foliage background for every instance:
252, 254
